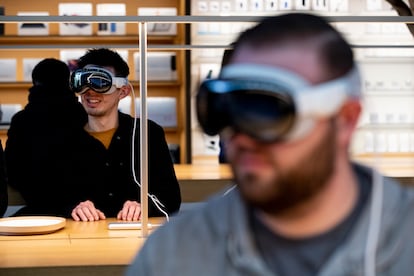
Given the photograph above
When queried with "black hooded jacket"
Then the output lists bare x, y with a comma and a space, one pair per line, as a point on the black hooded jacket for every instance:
39, 149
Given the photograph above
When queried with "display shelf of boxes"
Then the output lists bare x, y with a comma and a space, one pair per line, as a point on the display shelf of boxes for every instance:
384, 52
23, 44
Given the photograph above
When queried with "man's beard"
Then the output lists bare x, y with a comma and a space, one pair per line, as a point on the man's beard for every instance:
294, 187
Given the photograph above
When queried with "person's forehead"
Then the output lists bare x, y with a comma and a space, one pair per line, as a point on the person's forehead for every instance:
298, 59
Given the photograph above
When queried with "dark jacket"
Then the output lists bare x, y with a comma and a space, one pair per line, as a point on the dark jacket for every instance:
108, 174
39, 147
4, 197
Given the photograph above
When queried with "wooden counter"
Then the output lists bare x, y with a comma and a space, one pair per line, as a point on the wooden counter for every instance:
203, 172
199, 181
80, 247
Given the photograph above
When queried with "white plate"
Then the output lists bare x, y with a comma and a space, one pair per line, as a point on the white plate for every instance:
30, 225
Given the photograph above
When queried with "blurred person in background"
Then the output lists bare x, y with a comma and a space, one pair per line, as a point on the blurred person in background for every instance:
39, 153
286, 106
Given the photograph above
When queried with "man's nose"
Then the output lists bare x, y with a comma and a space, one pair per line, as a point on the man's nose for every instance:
90, 91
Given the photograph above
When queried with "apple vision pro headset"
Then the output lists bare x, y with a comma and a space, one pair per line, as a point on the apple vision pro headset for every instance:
269, 103
98, 79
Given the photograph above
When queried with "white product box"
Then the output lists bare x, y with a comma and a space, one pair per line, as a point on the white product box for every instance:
28, 65
38, 28
111, 28
303, 4
70, 57
8, 69
339, 5
285, 5
160, 28
161, 66
320, 5
7, 111
75, 9
162, 110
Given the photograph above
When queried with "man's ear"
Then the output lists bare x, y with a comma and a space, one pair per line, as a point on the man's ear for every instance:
347, 120
125, 91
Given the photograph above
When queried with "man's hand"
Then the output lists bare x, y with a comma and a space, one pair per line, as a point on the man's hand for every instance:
86, 211
131, 211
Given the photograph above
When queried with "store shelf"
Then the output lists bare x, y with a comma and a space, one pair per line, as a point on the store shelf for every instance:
17, 41
26, 49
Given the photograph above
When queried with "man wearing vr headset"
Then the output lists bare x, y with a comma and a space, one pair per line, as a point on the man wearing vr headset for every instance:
106, 151
288, 104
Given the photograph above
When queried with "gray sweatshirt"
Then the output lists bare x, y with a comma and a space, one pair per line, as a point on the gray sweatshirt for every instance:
217, 240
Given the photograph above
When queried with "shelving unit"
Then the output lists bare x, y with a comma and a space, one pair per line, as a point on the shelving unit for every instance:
21, 47
384, 50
